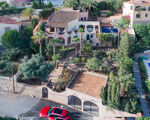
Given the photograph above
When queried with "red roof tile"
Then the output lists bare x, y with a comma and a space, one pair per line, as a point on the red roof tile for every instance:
8, 21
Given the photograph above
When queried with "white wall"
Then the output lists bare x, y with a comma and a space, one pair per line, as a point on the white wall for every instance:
3, 26
77, 23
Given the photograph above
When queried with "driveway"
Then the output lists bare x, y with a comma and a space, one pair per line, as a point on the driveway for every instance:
28, 108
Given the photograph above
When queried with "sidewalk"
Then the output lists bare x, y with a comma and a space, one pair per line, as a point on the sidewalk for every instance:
139, 88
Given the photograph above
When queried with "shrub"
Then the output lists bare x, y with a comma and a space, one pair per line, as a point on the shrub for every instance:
46, 13
34, 22
36, 67
7, 68
106, 37
109, 13
11, 54
11, 39
93, 64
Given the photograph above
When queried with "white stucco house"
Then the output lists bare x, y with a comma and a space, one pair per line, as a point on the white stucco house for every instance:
8, 24
137, 10
65, 23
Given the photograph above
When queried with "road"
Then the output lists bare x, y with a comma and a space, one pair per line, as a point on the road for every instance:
28, 108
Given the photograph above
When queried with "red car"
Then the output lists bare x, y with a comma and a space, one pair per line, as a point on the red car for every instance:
54, 113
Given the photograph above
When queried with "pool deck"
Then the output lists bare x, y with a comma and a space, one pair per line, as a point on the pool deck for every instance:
89, 83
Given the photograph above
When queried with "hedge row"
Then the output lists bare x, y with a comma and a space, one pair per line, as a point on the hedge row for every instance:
11, 11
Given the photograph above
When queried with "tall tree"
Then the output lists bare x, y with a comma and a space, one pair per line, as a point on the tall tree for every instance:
75, 40
121, 26
81, 30
11, 39
28, 12
88, 4
54, 42
38, 38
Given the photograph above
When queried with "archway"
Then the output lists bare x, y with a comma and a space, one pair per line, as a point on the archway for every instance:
91, 108
69, 40
74, 102
44, 92
62, 40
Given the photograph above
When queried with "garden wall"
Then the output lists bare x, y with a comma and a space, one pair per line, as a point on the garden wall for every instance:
6, 84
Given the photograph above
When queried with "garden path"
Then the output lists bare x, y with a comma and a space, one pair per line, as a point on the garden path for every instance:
58, 71
139, 88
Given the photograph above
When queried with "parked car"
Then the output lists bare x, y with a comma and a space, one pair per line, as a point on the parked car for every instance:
55, 113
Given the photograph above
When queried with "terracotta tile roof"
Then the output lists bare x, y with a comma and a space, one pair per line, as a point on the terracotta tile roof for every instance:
8, 21
61, 18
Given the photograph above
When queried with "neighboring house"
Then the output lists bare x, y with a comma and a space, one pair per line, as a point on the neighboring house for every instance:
55, 3
20, 3
137, 10
64, 25
7, 24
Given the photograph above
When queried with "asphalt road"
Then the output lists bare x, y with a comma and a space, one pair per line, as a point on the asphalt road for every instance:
28, 108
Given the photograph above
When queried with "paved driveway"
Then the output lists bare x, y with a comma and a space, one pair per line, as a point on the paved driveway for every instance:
28, 108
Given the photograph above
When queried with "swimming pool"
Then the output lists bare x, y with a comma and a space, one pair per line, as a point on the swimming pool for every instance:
109, 29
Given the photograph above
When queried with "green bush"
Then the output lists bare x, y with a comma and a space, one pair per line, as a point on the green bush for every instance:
35, 68
11, 54
7, 68
109, 14
11, 11
93, 64
46, 12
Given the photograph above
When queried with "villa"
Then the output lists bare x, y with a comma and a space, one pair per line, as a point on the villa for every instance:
64, 25
137, 10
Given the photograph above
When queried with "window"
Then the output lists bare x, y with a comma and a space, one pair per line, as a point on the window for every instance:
7, 28
146, 15
137, 8
84, 18
138, 15
149, 8
91, 36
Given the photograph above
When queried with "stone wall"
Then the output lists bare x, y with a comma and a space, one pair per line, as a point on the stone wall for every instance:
6, 84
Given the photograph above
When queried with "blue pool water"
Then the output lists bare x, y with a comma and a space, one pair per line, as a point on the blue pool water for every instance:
149, 64
109, 29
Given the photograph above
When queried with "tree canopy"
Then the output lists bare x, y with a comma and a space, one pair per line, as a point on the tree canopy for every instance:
36, 67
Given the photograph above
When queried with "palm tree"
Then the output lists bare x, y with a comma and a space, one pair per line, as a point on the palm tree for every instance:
39, 37
56, 58
81, 30
76, 41
54, 42
88, 4
28, 12
121, 26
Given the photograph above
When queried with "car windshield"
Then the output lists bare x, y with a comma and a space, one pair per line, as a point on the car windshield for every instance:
58, 111
49, 111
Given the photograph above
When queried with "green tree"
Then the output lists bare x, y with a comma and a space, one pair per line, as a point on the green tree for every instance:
46, 13
71, 3
54, 42
75, 40
88, 4
125, 48
28, 13
81, 30
11, 54
5, 6
35, 68
38, 38
34, 22
103, 95
56, 58
93, 64
106, 37
50, 5
120, 25
11, 39
42, 27
87, 48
